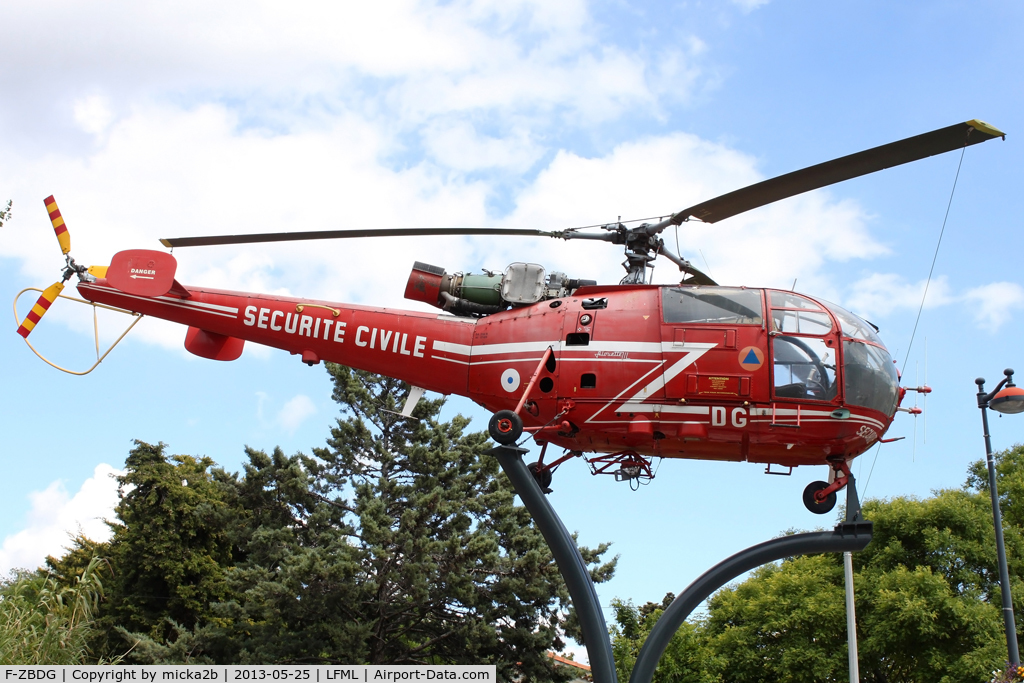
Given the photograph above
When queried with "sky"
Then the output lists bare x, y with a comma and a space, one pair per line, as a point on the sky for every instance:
147, 121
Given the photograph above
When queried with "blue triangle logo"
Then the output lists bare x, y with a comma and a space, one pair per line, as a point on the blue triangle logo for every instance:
751, 359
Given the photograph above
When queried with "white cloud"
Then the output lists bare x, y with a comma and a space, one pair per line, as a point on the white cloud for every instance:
92, 114
165, 172
291, 415
879, 294
458, 145
749, 5
995, 303
55, 517
402, 62
295, 412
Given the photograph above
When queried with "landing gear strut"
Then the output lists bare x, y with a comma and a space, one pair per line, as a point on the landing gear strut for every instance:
541, 475
506, 426
820, 496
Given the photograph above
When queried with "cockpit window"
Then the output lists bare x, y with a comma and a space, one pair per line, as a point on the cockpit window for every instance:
870, 377
721, 305
791, 300
801, 322
854, 326
803, 367
795, 314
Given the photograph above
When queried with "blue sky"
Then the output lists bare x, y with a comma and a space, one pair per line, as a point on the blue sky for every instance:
150, 122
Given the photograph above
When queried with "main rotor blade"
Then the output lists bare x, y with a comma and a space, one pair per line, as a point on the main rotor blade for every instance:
836, 171
340, 234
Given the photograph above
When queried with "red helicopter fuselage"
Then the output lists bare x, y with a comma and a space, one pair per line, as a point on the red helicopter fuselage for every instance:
715, 373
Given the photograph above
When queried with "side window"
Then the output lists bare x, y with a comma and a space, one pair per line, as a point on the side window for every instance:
720, 305
801, 322
795, 314
803, 367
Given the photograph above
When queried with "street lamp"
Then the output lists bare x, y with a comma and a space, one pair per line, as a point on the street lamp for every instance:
1005, 398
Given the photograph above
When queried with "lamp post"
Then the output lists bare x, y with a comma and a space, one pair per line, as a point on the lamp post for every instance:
1009, 399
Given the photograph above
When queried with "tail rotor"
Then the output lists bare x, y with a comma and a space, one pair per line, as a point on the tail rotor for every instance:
50, 294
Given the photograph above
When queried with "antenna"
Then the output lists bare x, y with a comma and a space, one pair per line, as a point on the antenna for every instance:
926, 395
917, 373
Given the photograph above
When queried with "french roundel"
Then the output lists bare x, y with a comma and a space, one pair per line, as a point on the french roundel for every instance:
751, 358
510, 380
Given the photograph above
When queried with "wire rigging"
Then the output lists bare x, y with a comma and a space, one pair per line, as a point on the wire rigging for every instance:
935, 257
924, 297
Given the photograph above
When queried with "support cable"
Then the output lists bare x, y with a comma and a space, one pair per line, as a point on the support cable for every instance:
924, 296
935, 257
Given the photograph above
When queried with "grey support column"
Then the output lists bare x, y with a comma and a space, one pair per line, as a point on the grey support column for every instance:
570, 562
851, 535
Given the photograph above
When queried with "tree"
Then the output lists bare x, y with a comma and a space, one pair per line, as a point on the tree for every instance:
784, 623
927, 600
924, 603
171, 548
398, 543
450, 569
5, 213
687, 657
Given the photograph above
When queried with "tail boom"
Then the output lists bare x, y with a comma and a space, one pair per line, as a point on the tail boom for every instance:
408, 345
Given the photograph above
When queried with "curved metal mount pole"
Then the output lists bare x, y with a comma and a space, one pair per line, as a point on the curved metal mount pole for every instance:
569, 560
851, 535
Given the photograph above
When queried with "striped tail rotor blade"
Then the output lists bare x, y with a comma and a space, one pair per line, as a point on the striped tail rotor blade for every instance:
43, 304
58, 224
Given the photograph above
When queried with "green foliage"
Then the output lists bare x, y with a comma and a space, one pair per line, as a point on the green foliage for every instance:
172, 546
400, 542
687, 657
927, 601
436, 529
44, 621
784, 623
923, 589
927, 590
5, 214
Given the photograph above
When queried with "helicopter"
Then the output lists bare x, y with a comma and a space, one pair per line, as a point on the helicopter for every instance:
618, 375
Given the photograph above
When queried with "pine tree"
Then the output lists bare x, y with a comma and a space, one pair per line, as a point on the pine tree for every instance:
399, 543
450, 569
170, 550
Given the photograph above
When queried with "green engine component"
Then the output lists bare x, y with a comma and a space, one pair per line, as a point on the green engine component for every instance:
481, 289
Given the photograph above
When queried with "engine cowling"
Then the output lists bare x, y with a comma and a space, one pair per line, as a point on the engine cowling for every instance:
477, 295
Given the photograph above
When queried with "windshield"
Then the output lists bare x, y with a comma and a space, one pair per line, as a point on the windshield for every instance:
854, 326
870, 378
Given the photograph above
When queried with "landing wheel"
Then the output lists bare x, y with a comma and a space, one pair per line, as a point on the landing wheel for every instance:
813, 505
543, 477
505, 427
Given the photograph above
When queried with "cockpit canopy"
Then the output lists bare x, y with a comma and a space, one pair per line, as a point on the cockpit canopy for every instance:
814, 345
